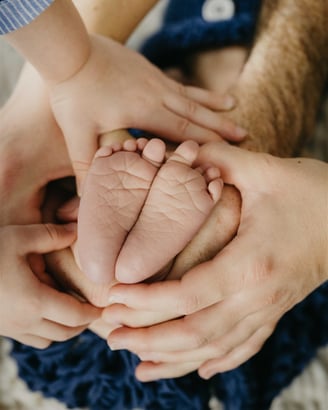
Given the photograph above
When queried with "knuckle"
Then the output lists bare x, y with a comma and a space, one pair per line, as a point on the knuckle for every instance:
196, 337
182, 126
52, 232
181, 89
191, 108
80, 166
262, 269
220, 349
188, 305
283, 299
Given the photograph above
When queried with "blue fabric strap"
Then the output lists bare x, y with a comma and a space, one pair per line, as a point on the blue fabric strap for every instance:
15, 14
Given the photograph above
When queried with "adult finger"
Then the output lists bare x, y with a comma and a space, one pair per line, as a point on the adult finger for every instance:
210, 99
44, 238
65, 309
55, 332
123, 315
237, 356
204, 285
204, 117
207, 98
34, 341
162, 121
195, 331
148, 371
238, 166
219, 347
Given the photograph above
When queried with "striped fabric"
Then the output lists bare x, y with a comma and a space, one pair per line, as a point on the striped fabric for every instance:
15, 14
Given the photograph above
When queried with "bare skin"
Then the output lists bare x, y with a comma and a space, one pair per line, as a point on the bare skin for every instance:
133, 208
114, 193
178, 203
265, 132
273, 79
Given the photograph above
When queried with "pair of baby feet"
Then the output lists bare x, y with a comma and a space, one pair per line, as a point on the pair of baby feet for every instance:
138, 212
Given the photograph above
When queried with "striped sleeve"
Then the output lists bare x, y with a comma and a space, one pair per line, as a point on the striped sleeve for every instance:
15, 14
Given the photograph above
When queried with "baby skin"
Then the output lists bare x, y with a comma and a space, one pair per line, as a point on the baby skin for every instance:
138, 211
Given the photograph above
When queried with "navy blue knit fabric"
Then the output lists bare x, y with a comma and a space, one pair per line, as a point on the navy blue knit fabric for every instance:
185, 30
85, 372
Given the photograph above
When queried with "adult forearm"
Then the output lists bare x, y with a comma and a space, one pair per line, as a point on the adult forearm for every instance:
56, 42
279, 89
113, 18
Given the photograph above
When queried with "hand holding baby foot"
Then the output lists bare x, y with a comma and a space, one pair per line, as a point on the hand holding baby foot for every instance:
32, 310
223, 310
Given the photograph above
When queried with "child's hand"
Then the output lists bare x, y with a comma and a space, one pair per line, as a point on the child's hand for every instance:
32, 311
118, 88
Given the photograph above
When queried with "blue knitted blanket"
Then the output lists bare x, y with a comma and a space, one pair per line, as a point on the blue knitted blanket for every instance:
84, 372
192, 25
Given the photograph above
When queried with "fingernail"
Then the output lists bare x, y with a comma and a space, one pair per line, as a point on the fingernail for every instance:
71, 227
115, 345
67, 208
117, 298
228, 102
207, 375
241, 132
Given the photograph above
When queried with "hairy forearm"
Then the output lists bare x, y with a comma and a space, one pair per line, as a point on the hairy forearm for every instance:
280, 87
56, 42
113, 18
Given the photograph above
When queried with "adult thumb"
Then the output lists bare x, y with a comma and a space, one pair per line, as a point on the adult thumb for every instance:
238, 166
44, 238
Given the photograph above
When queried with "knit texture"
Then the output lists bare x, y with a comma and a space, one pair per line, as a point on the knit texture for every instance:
185, 30
84, 372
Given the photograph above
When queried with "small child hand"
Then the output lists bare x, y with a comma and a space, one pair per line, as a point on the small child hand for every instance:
117, 88
32, 311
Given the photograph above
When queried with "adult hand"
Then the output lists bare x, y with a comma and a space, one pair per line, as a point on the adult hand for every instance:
221, 312
32, 310
117, 88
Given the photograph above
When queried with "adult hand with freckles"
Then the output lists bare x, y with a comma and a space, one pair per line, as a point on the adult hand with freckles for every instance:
221, 312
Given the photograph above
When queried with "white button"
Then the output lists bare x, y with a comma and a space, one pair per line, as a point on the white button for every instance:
218, 10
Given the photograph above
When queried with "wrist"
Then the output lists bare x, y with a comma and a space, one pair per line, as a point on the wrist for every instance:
56, 43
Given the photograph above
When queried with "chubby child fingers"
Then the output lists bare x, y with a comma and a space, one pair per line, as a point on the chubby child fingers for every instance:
65, 309
43, 238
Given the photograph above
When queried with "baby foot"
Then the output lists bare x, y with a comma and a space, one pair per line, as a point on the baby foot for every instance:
113, 195
178, 203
